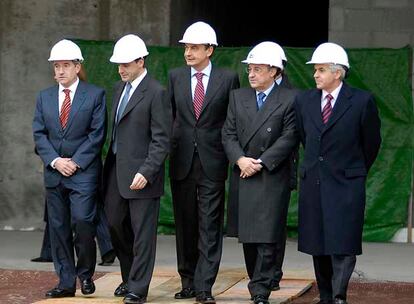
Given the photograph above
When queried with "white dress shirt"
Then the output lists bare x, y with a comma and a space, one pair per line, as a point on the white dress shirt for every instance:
206, 76
334, 94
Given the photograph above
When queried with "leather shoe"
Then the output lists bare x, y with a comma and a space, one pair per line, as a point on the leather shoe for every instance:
133, 298
60, 293
205, 297
185, 293
108, 258
259, 299
325, 302
121, 290
41, 260
340, 301
87, 287
275, 286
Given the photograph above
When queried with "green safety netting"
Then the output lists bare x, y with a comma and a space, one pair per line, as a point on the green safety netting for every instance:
384, 72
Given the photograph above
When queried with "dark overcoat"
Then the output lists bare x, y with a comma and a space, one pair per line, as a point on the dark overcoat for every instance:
258, 205
336, 161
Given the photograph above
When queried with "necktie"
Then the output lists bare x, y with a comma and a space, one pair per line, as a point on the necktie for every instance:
260, 100
121, 110
327, 109
65, 110
124, 102
198, 95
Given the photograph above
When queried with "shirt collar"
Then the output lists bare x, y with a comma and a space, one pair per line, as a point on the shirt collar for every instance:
135, 83
267, 92
206, 71
334, 93
72, 87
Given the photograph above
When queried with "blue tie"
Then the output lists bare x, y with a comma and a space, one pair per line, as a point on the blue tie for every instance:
260, 100
121, 110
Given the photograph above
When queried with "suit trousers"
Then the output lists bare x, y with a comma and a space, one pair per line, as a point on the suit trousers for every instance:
260, 266
133, 228
102, 231
71, 212
199, 211
333, 273
280, 256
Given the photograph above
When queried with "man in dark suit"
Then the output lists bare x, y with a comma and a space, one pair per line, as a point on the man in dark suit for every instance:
69, 131
199, 96
134, 167
340, 131
259, 136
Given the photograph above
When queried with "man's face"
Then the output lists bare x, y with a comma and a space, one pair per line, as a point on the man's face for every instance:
66, 72
261, 76
325, 79
197, 55
130, 71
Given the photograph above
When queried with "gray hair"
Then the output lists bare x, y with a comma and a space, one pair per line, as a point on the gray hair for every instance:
338, 67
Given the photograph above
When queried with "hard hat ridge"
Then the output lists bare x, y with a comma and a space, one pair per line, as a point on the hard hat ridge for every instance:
128, 48
266, 52
199, 33
329, 52
65, 50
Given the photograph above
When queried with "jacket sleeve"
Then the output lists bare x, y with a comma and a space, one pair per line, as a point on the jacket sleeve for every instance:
43, 146
92, 146
371, 135
161, 123
230, 139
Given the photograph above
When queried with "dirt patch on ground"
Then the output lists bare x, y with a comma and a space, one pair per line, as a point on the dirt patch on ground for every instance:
21, 287
363, 292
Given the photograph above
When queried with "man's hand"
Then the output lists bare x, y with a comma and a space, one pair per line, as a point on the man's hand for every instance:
65, 166
139, 182
248, 166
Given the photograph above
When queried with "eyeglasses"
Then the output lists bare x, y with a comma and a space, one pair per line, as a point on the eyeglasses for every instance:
256, 70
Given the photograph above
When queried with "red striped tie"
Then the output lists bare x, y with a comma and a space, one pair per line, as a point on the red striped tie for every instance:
198, 95
327, 109
64, 112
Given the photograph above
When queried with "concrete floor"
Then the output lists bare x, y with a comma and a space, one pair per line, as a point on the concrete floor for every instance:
380, 261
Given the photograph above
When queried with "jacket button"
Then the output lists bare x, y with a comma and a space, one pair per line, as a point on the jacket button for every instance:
320, 158
269, 129
318, 181
195, 144
262, 149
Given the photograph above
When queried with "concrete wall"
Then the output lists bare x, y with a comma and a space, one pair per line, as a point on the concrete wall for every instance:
28, 29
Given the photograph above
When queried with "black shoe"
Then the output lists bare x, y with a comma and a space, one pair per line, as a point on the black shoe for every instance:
325, 302
339, 301
87, 286
275, 286
41, 260
205, 297
133, 298
108, 258
60, 293
121, 290
259, 299
185, 293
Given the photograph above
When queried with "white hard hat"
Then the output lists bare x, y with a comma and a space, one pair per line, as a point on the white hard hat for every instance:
65, 50
329, 53
199, 33
128, 48
265, 53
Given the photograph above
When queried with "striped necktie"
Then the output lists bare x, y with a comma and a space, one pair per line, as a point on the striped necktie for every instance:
198, 95
327, 109
65, 110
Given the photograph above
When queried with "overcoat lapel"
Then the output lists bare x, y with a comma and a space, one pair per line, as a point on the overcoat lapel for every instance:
54, 100
273, 101
185, 83
116, 99
315, 109
341, 106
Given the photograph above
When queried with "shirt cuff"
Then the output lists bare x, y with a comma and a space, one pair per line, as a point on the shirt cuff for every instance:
52, 164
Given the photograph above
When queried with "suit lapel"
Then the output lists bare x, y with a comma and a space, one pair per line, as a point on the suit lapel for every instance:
115, 100
249, 104
315, 109
214, 83
185, 83
273, 101
341, 106
54, 100
136, 97
78, 100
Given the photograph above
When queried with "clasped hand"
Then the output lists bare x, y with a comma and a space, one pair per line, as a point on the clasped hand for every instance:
66, 166
248, 166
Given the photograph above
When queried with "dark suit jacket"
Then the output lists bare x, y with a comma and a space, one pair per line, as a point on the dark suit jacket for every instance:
205, 134
143, 138
258, 205
82, 138
336, 161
